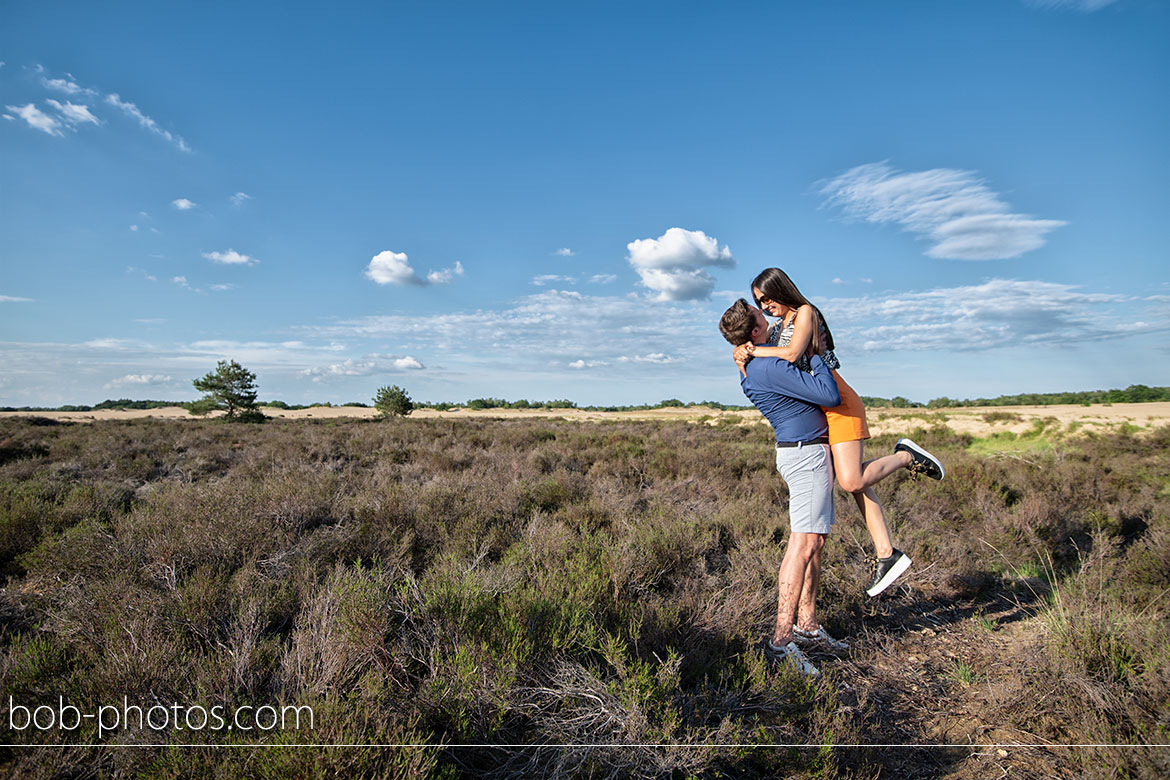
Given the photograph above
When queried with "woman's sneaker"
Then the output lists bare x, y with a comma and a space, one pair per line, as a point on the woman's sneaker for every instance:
819, 639
922, 462
790, 654
888, 570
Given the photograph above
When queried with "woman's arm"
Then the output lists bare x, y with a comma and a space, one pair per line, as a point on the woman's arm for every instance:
801, 337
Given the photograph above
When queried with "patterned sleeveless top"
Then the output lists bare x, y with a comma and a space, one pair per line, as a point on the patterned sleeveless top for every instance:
782, 336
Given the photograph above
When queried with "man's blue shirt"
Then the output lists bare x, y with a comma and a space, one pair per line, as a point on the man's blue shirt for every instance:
791, 399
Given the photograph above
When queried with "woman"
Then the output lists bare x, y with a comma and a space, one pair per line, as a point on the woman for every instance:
800, 332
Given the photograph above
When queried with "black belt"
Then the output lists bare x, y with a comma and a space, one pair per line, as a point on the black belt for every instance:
821, 440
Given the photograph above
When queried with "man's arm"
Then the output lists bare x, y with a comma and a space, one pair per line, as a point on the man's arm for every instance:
818, 388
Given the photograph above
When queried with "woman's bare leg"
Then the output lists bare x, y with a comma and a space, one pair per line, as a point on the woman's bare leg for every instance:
852, 476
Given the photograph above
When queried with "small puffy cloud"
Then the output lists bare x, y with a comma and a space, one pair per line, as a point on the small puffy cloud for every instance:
132, 111
37, 119
73, 113
230, 257
182, 204
392, 268
138, 380
445, 275
953, 209
134, 228
564, 252
388, 267
673, 264
579, 364
839, 280
239, 198
182, 282
14, 299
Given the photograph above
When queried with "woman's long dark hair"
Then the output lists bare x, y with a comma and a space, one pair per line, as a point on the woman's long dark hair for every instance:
775, 284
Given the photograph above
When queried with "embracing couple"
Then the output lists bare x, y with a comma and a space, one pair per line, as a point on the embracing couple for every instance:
788, 370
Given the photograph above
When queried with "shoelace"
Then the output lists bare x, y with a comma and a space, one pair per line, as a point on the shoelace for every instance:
918, 469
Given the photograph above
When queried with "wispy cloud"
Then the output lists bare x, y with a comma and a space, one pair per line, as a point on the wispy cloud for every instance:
14, 299
73, 113
602, 279
364, 366
230, 257
239, 198
389, 267
1086, 6
138, 380
132, 111
540, 280
997, 313
954, 209
68, 86
37, 119
182, 204
673, 264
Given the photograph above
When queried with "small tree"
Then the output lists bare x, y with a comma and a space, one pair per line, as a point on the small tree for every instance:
230, 387
393, 401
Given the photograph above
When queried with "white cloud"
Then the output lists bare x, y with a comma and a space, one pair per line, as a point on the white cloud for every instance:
134, 228
997, 313
365, 366
578, 364
392, 268
446, 275
866, 280
230, 257
73, 113
14, 299
37, 119
542, 279
1086, 6
131, 110
388, 267
602, 279
182, 204
221, 287
654, 357
239, 198
839, 280
673, 264
182, 282
952, 208
138, 380
564, 252
68, 86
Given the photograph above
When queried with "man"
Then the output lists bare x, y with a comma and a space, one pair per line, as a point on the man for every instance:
791, 400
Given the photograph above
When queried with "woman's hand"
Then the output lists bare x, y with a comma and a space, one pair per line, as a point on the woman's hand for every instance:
743, 353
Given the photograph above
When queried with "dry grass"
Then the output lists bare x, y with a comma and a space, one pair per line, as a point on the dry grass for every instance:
552, 583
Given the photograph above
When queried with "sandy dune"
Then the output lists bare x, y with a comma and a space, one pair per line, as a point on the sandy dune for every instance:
971, 420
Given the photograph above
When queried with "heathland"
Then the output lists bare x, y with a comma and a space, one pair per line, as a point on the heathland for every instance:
539, 596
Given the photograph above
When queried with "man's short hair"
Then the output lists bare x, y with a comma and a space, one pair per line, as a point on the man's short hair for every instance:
738, 322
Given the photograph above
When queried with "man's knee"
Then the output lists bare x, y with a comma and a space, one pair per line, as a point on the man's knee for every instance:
806, 545
851, 483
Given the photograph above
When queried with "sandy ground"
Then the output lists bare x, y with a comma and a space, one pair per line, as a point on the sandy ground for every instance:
972, 420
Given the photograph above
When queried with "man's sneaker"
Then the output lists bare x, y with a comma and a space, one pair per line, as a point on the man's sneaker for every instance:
819, 639
888, 570
922, 462
790, 654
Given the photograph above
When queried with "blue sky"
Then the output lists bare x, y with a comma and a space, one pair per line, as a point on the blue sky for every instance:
545, 200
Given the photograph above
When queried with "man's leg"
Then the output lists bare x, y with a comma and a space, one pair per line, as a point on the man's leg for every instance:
806, 612
802, 549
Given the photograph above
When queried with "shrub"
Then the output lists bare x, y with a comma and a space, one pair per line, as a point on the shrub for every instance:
393, 401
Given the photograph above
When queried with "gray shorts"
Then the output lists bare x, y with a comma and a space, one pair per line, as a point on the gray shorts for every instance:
809, 474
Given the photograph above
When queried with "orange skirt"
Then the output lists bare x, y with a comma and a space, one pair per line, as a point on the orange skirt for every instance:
847, 421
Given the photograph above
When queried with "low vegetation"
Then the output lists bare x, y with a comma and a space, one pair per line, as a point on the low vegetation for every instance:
594, 591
